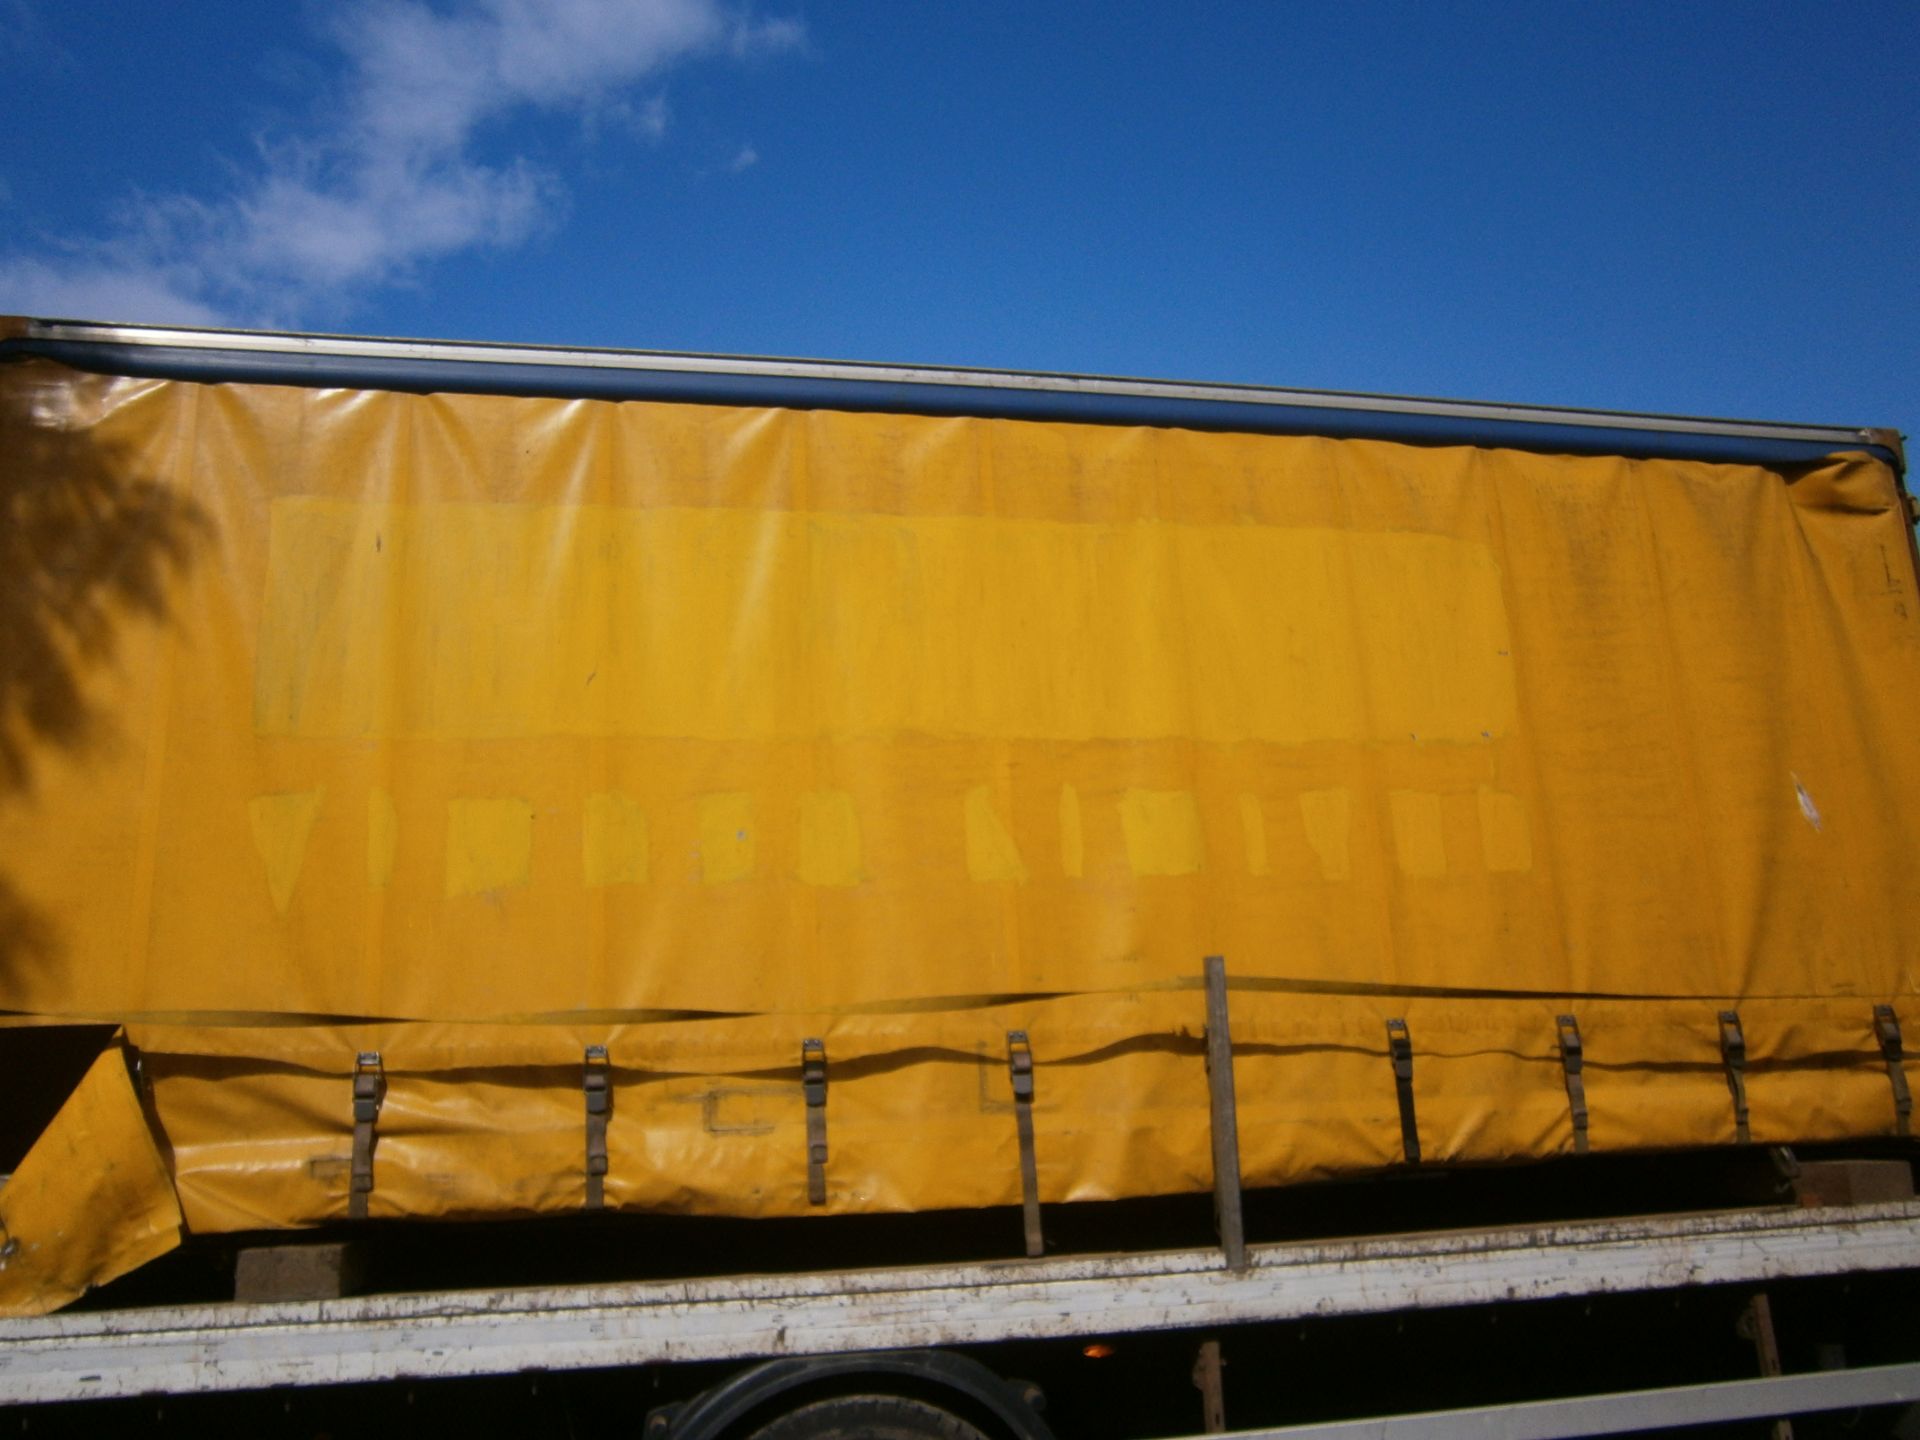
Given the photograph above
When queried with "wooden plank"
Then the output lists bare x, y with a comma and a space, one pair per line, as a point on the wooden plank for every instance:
1207, 1379
1852, 1182
296, 1272
1756, 1325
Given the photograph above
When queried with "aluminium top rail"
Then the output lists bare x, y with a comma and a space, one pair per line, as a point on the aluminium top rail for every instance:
488, 368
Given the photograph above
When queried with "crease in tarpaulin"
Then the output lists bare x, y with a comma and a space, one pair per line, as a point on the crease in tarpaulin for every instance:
93, 1199
902, 1155
216, 1167
932, 1004
691, 1049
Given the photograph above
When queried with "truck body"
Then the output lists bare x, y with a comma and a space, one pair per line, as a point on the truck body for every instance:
467, 782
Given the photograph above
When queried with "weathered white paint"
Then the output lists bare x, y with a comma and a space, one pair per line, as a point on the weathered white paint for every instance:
488, 1332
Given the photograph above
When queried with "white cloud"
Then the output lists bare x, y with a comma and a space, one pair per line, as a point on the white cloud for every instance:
77, 289
389, 181
744, 159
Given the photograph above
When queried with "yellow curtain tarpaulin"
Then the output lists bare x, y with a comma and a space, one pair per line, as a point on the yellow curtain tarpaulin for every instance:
476, 730
91, 1200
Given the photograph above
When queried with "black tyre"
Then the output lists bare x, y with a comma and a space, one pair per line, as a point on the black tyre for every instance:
868, 1417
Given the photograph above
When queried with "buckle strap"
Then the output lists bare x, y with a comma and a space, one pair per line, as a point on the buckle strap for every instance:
1020, 1071
1733, 1054
1886, 1026
813, 1084
1400, 1048
369, 1090
1572, 1061
596, 1081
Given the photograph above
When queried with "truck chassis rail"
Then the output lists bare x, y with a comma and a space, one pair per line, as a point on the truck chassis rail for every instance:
201, 1348
1628, 1411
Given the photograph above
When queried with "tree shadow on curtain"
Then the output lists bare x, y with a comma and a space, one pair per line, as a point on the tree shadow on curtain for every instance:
90, 545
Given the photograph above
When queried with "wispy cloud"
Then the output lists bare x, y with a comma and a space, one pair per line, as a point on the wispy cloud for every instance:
749, 38
389, 180
650, 120
135, 287
744, 159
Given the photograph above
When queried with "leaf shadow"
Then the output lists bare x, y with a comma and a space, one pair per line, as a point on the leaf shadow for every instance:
92, 542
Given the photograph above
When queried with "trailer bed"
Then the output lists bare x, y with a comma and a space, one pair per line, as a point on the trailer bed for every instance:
224, 1347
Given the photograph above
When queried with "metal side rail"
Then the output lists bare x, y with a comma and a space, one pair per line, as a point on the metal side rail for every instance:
492, 1332
1629, 1411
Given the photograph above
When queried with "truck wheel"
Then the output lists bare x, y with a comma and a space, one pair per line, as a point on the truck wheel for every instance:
868, 1417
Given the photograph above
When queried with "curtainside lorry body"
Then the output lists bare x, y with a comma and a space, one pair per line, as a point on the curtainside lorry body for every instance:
468, 782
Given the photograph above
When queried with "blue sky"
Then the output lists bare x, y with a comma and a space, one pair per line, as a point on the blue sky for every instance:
1708, 208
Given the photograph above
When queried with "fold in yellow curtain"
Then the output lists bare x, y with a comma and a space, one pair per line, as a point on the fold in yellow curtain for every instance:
91, 1200
709, 1116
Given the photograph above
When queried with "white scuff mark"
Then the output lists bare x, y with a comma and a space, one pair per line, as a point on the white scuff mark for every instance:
1807, 807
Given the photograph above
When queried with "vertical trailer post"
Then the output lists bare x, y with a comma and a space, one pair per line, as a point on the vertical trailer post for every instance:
1224, 1118
1020, 1072
1756, 1325
1207, 1379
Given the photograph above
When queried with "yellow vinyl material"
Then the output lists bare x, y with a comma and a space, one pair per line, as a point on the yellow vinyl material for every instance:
91, 1200
473, 731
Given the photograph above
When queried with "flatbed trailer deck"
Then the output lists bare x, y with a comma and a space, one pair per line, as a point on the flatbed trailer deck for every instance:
226, 1347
